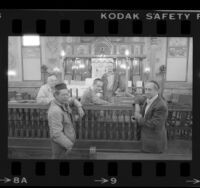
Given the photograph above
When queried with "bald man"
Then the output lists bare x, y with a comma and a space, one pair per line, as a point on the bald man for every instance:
152, 119
45, 94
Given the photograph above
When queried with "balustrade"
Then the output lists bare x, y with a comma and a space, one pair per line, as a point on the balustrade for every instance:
99, 122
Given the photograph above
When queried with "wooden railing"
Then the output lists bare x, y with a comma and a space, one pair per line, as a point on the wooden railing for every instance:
99, 122
179, 122
105, 128
107, 123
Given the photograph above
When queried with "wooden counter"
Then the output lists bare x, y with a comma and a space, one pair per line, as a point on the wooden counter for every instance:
107, 127
109, 122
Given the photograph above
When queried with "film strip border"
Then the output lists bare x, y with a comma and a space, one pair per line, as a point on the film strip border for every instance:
88, 169
93, 23
78, 173
126, 173
89, 27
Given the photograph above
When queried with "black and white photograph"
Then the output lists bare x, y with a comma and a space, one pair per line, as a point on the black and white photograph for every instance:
100, 98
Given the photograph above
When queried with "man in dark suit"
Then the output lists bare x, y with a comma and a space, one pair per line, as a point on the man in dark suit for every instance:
152, 119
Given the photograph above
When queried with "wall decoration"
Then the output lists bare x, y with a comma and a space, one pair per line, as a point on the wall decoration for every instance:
69, 39
99, 66
51, 52
31, 52
177, 52
87, 39
154, 40
116, 39
31, 63
122, 48
68, 50
102, 44
81, 50
137, 50
52, 44
177, 41
177, 59
135, 39
14, 58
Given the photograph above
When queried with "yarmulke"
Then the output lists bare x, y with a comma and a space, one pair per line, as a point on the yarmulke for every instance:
60, 86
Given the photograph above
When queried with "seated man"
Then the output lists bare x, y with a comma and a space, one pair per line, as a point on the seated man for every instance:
45, 94
90, 96
152, 119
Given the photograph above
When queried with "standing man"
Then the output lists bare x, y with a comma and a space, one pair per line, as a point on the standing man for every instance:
152, 119
110, 83
61, 123
90, 96
45, 94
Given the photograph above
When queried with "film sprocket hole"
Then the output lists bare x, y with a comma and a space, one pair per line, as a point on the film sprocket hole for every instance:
70, 79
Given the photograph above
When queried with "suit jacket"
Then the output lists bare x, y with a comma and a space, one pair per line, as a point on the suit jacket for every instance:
115, 84
153, 132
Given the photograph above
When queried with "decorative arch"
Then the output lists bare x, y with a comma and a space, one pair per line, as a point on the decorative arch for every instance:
104, 45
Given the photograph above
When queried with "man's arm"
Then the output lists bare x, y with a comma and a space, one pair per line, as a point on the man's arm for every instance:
127, 94
92, 98
157, 119
85, 97
78, 105
97, 100
55, 123
140, 99
74, 102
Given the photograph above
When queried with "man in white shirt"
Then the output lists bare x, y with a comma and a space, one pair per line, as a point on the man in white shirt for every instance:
152, 119
45, 94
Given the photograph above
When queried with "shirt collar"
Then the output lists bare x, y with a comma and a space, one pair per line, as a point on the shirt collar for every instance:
149, 101
65, 107
57, 102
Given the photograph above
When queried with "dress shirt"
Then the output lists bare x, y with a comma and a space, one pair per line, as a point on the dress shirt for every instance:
149, 102
45, 94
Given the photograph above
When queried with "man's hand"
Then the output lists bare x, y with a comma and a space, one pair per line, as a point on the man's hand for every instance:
137, 115
69, 149
118, 92
139, 99
78, 106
